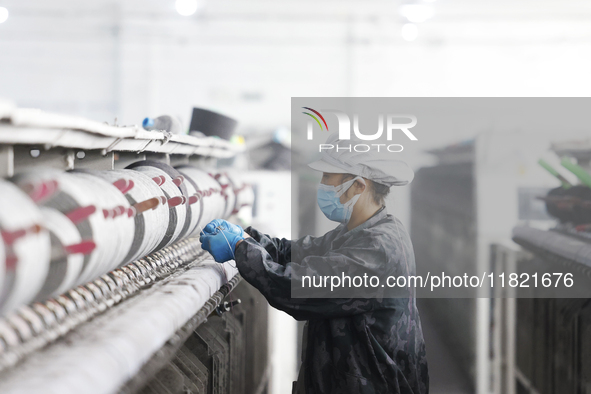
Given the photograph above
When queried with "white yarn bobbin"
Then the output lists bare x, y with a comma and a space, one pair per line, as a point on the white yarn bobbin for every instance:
195, 204
150, 215
209, 191
118, 227
67, 253
26, 247
73, 200
116, 209
175, 200
179, 181
227, 192
243, 191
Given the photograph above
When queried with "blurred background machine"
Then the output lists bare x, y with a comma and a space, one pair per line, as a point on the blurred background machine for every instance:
521, 340
105, 287
553, 335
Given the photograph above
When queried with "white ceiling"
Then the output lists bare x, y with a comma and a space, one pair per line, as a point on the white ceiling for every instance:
462, 19
103, 57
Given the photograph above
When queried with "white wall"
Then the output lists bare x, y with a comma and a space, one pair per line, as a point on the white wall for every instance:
133, 58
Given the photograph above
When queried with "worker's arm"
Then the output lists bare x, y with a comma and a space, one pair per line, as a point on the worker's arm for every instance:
274, 275
274, 280
279, 249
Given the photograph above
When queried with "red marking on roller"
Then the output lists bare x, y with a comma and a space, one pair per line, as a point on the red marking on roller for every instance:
162, 200
80, 214
131, 212
119, 210
225, 186
216, 176
10, 262
159, 180
193, 199
49, 188
121, 184
107, 213
239, 189
10, 237
42, 191
178, 180
178, 200
130, 186
84, 247
199, 193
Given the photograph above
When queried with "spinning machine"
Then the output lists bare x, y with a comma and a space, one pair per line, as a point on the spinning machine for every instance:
103, 284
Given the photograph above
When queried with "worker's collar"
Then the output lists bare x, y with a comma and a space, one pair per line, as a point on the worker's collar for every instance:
379, 215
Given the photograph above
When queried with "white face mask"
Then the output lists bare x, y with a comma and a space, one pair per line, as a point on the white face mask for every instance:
329, 201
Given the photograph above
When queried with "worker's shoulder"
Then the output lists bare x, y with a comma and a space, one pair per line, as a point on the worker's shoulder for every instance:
389, 225
389, 218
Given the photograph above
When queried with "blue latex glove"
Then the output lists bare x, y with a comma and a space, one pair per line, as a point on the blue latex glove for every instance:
216, 225
222, 244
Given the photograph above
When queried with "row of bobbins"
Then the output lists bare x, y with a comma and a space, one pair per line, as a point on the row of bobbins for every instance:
31, 327
61, 229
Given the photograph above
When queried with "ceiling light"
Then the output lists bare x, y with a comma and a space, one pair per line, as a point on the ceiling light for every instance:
187, 7
409, 32
417, 13
3, 14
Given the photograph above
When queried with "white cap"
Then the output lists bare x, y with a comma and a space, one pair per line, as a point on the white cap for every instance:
380, 167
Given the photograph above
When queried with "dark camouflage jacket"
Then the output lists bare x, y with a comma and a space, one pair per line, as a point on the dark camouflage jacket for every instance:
354, 345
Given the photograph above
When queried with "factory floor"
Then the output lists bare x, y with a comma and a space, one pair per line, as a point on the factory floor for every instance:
445, 377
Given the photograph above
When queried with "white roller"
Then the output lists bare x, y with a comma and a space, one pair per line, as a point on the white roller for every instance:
114, 207
179, 181
92, 222
176, 204
26, 244
243, 191
213, 204
227, 192
194, 204
73, 199
150, 223
67, 259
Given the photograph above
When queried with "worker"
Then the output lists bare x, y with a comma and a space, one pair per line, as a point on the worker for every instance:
351, 345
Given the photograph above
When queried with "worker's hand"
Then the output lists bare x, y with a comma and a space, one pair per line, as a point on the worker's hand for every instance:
221, 245
216, 225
